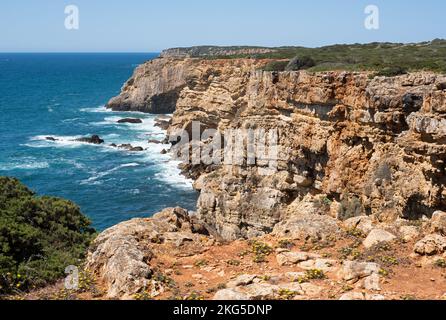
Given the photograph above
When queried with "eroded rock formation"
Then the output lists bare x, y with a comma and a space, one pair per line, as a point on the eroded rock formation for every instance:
350, 144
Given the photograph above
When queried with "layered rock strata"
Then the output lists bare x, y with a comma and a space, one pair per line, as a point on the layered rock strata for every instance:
349, 144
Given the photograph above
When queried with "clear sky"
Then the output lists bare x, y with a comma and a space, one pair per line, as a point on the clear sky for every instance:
152, 25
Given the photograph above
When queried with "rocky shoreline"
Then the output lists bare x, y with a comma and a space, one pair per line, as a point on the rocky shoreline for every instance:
359, 187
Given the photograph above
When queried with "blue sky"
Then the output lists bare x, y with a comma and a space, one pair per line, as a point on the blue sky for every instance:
149, 26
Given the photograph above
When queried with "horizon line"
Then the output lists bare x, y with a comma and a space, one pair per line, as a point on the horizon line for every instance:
235, 45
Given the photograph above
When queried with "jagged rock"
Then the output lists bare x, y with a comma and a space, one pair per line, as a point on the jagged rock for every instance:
291, 258
178, 238
130, 120
295, 276
409, 233
372, 282
120, 256
267, 291
311, 290
431, 245
230, 295
242, 280
325, 265
362, 223
438, 222
307, 226
261, 291
377, 236
354, 271
51, 139
120, 260
163, 124
130, 148
154, 141
95, 139
361, 296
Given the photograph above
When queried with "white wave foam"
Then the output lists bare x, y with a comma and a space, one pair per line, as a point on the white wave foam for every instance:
100, 109
147, 126
24, 164
41, 141
94, 179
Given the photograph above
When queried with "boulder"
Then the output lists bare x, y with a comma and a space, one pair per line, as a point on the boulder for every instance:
372, 282
94, 139
409, 233
307, 226
242, 280
325, 265
361, 296
378, 236
163, 124
130, 120
361, 223
121, 256
291, 258
230, 294
354, 271
51, 139
431, 245
130, 148
438, 222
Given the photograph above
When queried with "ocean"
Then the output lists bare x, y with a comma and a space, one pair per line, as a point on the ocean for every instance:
63, 96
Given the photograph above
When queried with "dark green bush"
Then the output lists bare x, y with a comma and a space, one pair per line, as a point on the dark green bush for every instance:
391, 72
276, 66
39, 237
300, 63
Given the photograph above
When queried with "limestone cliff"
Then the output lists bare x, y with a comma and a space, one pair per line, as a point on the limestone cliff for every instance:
350, 144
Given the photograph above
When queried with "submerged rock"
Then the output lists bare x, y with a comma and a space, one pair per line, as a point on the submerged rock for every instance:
130, 120
431, 245
95, 139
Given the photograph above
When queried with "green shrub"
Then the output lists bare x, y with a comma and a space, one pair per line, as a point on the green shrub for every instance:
39, 237
391, 72
276, 66
300, 63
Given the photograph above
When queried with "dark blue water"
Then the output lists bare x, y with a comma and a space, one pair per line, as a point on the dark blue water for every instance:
62, 95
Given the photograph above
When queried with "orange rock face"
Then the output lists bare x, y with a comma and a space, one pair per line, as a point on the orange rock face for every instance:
349, 144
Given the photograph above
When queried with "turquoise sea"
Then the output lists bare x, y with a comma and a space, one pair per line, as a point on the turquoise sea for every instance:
63, 96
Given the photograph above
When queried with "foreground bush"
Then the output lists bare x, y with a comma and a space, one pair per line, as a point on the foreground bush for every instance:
39, 237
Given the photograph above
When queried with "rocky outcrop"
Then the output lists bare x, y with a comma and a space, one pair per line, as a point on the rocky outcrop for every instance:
154, 87
130, 120
349, 145
95, 139
121, 256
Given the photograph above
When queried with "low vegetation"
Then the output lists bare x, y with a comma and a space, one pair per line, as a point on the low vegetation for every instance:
39, 237
387, 59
